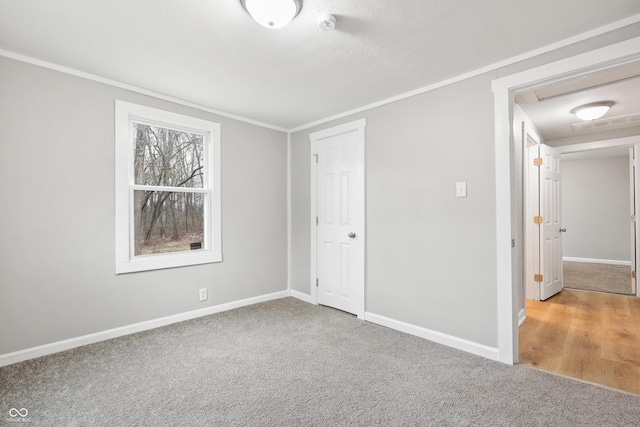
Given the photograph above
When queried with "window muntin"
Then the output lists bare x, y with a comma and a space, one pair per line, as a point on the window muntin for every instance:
167, 189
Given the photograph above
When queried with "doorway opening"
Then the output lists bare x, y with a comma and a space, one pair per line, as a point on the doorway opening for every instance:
555, 331
599, 213
509, 215
586, 328
593, 218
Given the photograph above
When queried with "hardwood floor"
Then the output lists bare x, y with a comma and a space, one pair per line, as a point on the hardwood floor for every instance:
591, 336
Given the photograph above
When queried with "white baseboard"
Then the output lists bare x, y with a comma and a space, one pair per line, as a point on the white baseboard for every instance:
301, 296
521, 317
43, 350
596, 260
440, 338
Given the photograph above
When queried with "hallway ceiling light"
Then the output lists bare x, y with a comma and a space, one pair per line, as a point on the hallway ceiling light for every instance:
272, 13
592, 111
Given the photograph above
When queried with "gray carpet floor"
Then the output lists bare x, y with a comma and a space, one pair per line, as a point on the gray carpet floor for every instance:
286, 362
587, 276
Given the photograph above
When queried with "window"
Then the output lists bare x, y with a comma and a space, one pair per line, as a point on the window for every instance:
167, 189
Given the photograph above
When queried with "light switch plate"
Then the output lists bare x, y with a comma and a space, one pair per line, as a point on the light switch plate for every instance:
461, 189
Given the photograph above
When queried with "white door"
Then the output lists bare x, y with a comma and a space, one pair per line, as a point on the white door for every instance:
632, 203
340, 217
550, 228
532, 209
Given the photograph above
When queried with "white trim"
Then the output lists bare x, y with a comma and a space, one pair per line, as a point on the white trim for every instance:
126, 262
43, 350
313, 229
492, 67
353, 126
521, 317
439, 337
132, 88
507, 304
582, 64
628, 141
504, 88
289, 212
596, 261
301, 296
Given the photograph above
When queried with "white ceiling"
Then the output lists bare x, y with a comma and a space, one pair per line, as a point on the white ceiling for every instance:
210, 52
549, 106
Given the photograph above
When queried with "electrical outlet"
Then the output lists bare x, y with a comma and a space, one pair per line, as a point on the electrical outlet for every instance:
203, 294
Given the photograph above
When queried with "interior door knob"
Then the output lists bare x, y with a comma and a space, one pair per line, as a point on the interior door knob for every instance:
352, 235
563, 230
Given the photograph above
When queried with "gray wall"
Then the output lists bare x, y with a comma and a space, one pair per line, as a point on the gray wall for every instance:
431, 257
595, 208
57, 222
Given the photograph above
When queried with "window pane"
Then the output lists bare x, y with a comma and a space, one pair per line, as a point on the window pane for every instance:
168, 222
168, 157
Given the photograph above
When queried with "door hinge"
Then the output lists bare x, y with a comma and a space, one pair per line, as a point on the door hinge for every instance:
316, 220
633, 274
316, 156
317, 282
538, 278
513, 243
537, 161
633, 218
538, 220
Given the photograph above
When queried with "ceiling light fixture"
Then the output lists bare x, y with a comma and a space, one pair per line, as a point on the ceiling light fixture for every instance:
272, 13
592, 111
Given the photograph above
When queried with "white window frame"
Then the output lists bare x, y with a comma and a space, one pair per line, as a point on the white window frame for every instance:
126, 261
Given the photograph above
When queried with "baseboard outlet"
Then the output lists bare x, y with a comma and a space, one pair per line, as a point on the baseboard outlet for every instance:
301, 296
43, 350
521, 316
596, 261
440, 338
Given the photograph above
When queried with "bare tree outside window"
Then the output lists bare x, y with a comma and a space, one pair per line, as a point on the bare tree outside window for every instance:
168, 220
168, 202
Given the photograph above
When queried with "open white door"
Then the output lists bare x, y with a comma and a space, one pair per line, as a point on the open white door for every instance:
532, 209
550, 273
340, 217
632, 200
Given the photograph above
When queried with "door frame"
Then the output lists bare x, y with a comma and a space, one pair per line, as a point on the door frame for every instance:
507, 264
354, 126
630, 142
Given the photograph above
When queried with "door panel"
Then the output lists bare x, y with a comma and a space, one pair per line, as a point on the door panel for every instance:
532, 237
550, 210
340, 228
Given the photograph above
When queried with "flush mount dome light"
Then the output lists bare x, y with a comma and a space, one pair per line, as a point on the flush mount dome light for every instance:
592, 111
272, 13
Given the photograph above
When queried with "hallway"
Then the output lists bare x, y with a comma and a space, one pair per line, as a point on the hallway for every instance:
590, 336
